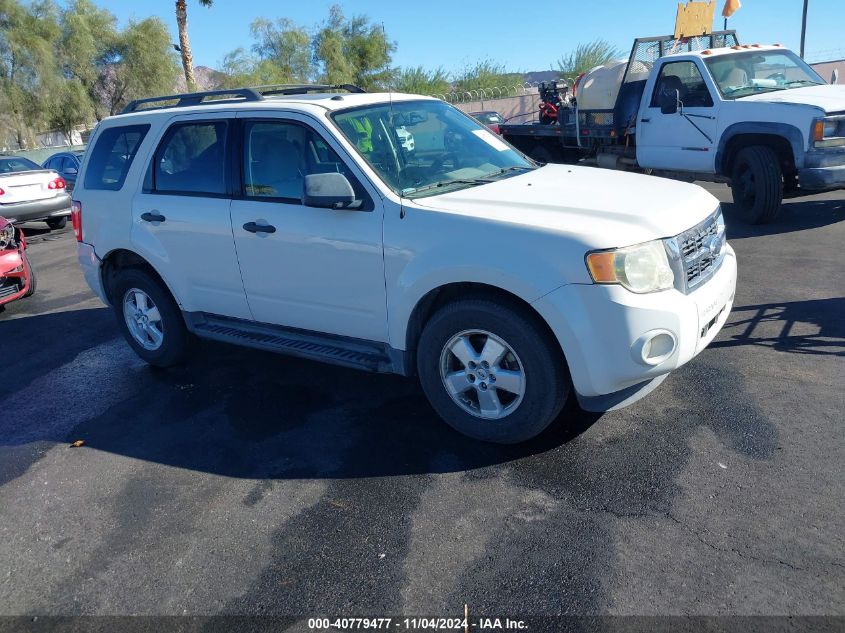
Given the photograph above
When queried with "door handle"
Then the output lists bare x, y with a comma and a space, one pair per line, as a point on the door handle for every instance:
645, 120
153, 216
252, 227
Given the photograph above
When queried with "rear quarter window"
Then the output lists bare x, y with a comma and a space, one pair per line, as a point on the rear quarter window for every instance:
112, 157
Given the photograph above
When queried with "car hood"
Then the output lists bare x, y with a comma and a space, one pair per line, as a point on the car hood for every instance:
828, 98
601, 208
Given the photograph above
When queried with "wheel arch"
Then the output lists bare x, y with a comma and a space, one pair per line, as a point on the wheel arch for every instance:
121, 258
438, 297
786, 140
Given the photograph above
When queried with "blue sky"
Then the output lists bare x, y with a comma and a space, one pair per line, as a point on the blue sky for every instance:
456, 33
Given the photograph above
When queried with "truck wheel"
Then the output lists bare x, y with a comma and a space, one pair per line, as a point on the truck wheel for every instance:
491, 372
757, 184
149, 318
541, 154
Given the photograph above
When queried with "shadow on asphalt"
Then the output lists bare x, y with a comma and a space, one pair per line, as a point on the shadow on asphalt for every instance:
240, 412
802, 327
795, 215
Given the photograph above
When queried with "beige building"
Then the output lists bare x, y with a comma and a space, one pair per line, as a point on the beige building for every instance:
825, 69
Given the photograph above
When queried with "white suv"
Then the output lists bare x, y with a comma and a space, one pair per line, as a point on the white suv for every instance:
297, 221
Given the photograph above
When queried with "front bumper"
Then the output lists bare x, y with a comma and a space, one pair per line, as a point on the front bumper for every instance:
824, 170
56, 207
604, 330
90, 265
15, 276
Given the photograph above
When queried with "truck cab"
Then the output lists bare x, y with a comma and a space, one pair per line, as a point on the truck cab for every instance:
755, 115
703, 108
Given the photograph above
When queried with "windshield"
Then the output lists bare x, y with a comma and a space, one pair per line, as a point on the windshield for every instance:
18, 163
744, 74
422, 148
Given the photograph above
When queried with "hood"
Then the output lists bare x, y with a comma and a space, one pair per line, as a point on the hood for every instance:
828, 98
601, 208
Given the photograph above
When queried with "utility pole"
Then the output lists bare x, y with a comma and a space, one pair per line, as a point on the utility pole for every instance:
804, 28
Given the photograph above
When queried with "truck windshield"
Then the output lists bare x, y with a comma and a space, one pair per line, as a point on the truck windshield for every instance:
743, 74
423, 148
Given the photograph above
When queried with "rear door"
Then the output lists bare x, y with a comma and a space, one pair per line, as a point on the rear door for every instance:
684, 140
319, 269
180, 218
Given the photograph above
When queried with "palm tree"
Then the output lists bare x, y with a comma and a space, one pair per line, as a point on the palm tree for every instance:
184, 43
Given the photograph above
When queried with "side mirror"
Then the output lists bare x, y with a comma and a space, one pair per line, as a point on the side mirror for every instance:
71, 171
328, 191
670, 102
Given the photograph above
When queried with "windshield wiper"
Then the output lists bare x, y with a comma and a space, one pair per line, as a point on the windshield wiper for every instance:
803, 82
444, 183
507, 170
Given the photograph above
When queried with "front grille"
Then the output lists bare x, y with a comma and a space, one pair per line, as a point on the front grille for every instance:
9, 290
700, 251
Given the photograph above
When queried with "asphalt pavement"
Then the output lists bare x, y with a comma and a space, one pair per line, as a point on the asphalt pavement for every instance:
249, 483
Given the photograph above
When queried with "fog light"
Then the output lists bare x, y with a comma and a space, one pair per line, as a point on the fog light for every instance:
654, 347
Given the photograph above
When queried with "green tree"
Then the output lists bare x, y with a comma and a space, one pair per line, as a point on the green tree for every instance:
587, 56
70, 106
184, 42
353, 50
418, 80
240, 68
286, 45
28, 36
140, 64
87, 48
485, 75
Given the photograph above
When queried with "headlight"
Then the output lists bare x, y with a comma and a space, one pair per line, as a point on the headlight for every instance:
641, 268
7, 233
829, 132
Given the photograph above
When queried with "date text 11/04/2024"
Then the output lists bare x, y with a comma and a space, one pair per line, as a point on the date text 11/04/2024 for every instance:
416, 624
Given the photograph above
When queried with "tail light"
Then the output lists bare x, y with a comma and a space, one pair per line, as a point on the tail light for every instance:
58, 183
76, 219
2, 191
494, 127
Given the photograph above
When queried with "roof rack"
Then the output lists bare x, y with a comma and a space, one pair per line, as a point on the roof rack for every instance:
301, 89
235, 95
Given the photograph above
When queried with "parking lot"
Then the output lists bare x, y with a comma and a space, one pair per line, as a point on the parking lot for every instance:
248, 483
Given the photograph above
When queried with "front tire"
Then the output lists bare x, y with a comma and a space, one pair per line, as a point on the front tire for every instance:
33, 280
491, 372
757, 184
149, 318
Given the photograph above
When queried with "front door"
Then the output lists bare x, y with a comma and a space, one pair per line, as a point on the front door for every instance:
682, 140
303, 267
180, 219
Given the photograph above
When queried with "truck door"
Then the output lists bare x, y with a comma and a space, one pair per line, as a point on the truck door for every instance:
677, 136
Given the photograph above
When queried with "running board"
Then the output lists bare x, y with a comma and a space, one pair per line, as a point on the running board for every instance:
325, 348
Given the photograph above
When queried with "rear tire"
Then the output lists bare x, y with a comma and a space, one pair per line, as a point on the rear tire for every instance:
149, 318
491, 372
757, 184
57, 223
541, 154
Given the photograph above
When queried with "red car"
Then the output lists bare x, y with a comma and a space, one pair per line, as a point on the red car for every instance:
17, 279
489, 118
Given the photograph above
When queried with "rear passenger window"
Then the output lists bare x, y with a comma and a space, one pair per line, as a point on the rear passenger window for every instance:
112, 157
191, 159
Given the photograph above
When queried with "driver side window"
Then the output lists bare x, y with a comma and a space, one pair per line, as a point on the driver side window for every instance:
687, 80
